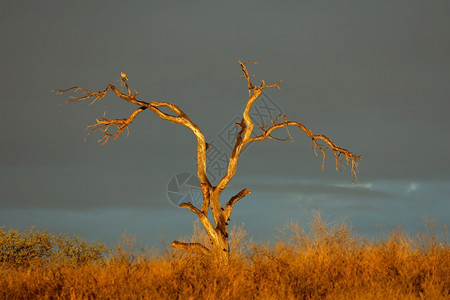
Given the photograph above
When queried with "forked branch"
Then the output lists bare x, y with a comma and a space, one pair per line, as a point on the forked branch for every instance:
246, 125
247, 76
178, 117
233, 200
103, 125
246, 129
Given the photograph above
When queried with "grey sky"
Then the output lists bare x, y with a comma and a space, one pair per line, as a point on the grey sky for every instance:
373, 76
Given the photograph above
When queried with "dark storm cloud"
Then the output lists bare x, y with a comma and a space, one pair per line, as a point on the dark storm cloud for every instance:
371, 76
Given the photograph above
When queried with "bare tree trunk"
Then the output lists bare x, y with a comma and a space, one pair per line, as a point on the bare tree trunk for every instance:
217, 233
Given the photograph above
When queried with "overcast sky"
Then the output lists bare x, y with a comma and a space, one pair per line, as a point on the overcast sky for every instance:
373, 76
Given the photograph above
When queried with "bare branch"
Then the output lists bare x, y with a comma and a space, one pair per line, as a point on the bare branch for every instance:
103, 125
246, 125
247, 75
192, 208
86, 94
254, 62
233, 200
351, 159
190, 247
264, 85
278, 139
179, 117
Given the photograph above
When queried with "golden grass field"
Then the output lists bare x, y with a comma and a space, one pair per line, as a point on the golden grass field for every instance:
326, 262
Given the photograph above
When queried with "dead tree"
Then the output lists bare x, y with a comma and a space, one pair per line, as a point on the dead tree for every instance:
217, 231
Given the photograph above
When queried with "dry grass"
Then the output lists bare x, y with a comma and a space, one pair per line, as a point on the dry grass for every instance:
328, 262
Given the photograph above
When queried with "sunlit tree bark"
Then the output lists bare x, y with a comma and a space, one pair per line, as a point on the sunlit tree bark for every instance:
217, 228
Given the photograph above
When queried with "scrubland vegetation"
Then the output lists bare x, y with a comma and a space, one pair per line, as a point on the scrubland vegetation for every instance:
325, 262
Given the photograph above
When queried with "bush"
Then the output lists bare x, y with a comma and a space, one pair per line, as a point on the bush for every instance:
23, 248
77, 250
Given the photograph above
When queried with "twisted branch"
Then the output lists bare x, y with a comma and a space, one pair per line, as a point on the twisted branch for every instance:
351, 159
246, 124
